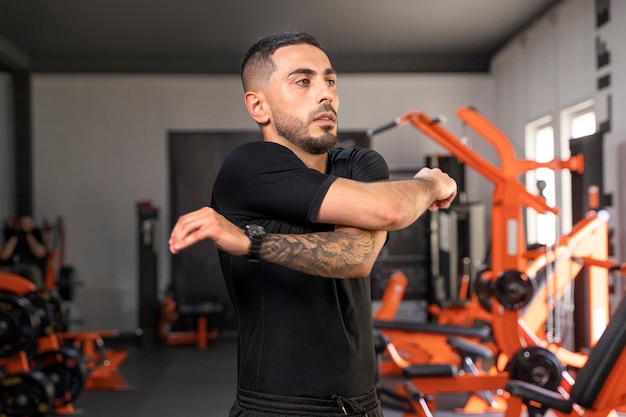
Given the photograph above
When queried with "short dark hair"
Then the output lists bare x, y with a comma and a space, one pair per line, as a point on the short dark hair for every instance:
257, 61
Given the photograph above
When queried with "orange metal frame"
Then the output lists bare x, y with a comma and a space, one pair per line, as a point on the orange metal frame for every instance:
508, 251
586, 245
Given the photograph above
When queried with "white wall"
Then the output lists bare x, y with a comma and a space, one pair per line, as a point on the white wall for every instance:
551, 67
100, 146
7, 176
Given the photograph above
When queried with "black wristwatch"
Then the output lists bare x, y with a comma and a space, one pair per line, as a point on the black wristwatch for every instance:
256, 234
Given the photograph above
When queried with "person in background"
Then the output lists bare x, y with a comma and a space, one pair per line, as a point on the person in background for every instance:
299, 223
23, 251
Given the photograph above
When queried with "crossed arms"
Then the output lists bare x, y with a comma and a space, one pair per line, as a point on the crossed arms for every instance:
364, 211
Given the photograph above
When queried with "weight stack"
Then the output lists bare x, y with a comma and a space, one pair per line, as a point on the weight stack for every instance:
148, 220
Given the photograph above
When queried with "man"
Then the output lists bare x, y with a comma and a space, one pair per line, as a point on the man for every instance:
299, 225
23, 252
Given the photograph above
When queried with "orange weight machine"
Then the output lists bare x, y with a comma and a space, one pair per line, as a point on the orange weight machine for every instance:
413, 346
506, 295
597, 390
509, 279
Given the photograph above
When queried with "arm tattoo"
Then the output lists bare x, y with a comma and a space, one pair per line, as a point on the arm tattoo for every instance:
325, 254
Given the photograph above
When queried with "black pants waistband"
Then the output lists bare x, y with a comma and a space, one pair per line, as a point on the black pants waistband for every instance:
336, 406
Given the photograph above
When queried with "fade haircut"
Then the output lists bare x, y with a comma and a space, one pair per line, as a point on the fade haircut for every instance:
257, 64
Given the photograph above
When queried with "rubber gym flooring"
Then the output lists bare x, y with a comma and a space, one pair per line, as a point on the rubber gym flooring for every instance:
176, 381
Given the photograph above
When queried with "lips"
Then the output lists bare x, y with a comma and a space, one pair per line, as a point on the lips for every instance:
325, 117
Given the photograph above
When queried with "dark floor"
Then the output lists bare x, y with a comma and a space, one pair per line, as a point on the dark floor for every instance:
173, 381
169, 381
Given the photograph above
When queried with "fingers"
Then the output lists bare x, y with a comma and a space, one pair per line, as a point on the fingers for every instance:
191, 228
445, 203
207, 223
447, 187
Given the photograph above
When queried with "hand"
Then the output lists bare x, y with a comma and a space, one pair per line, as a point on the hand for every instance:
206, 223
446, 187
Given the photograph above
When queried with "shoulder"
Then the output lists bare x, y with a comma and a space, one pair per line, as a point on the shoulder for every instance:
253, 153
359, 163
261, 147
357, 155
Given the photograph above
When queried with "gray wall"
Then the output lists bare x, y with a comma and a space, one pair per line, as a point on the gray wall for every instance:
100, 146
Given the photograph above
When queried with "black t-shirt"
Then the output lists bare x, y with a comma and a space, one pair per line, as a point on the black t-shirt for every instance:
299, 335
22, 253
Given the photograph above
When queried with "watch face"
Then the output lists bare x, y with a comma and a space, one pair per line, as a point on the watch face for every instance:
255, 230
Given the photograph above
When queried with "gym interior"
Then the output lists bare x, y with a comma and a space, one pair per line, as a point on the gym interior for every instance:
508, 302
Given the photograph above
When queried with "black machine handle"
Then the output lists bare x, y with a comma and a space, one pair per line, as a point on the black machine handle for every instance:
389, 125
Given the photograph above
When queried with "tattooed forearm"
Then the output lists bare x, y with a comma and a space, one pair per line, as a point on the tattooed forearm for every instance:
328, 254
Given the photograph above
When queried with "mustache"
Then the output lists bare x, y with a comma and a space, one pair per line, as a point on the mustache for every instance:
324, 108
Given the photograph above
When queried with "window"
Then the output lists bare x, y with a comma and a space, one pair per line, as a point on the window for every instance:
576, 121
541, 227
583, 124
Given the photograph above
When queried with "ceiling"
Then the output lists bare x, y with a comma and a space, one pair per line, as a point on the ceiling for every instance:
210, 36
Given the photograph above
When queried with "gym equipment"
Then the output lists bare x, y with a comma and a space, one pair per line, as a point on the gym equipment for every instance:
199, 331
420, 352
599, 388
66, 370
513, 289
102, 363
19, 324
412, 390
536, 365
508, 249
70, 362
26, 395
43, 353
23, 392
50, 311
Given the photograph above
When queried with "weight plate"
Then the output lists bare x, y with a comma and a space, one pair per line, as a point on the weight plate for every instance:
513, 289
19, 324
48, 306
536, 365
66, 369
26, 394
483, 288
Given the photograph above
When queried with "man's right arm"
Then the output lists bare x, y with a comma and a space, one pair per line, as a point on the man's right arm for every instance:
386, 205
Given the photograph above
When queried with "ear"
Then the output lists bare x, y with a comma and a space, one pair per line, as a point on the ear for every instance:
257, 107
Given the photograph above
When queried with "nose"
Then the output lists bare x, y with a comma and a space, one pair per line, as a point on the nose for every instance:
326, 93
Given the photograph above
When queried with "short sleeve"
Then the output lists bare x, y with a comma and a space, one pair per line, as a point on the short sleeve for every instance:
263, 180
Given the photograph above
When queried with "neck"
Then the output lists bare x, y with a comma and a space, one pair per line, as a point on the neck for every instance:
318, 162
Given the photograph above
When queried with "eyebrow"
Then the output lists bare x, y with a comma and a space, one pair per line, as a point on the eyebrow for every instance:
307, 71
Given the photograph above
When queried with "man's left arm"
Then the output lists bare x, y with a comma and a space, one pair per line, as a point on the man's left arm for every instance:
346, 252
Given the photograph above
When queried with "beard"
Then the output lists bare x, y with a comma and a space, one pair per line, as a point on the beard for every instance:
296, 131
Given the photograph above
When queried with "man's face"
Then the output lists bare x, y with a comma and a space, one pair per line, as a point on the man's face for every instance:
303, 98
